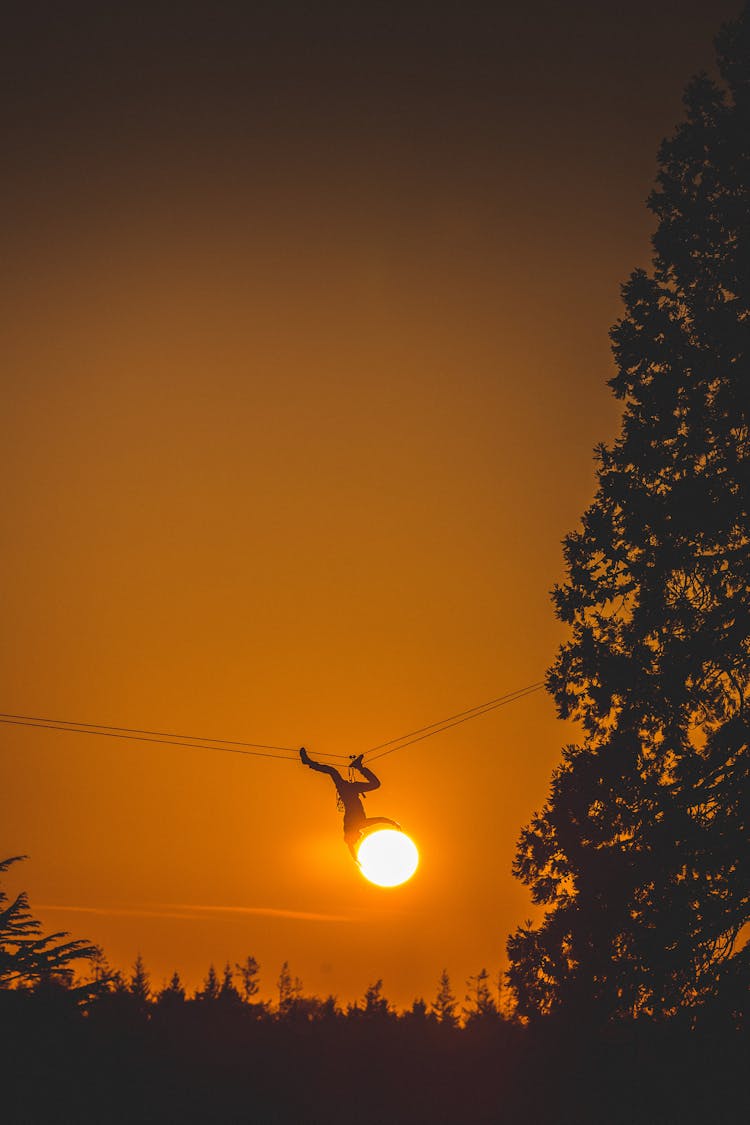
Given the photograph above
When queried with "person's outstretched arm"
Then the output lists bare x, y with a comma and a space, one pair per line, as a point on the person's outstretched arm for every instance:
319, 766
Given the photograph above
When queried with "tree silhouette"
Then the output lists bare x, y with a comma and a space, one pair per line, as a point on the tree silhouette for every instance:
418, 1012
139, 985
375, 1004
211, 987
173, 994
26, 957
100, 973
444, 1004
640, 854
480, 1002
248, 971
290, 990
228, 994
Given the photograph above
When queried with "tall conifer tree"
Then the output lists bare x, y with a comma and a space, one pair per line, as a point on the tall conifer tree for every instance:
641, 853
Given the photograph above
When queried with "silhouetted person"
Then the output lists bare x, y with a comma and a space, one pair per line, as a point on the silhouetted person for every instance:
355, 820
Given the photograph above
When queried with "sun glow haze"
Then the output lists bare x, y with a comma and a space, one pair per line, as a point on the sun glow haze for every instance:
299, 395
388, 858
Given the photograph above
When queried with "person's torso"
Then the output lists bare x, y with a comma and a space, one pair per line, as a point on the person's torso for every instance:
352, 800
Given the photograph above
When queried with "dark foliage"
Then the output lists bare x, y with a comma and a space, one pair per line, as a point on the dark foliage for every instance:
640, 854
203, 1061
27, 957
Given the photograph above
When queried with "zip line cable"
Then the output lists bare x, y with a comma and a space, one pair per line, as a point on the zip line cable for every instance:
155, 733
512, 697
259, 749
206, 745
137, 730
470, 713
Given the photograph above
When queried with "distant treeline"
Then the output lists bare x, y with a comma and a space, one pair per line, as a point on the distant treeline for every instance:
110, 1052
103, 1047
485, 998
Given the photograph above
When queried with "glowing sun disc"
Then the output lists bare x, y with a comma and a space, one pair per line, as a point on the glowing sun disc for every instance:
387, 857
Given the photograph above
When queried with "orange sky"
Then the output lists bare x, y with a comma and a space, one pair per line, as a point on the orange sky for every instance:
294, 419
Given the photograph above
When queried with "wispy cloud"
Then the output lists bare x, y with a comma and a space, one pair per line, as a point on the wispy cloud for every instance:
192, 911
268, 911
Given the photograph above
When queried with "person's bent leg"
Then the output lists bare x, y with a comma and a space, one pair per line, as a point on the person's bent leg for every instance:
372, 782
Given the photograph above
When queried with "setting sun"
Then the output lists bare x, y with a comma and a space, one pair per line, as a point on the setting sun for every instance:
388, 858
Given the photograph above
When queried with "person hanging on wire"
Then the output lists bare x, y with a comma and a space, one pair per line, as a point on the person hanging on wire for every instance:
350, 794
